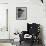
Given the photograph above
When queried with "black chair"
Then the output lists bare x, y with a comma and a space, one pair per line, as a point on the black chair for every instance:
32, 29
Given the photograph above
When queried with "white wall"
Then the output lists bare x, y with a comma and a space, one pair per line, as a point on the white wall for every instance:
35, 13
3, 1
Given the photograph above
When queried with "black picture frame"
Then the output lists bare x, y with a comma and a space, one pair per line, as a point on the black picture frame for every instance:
21, 13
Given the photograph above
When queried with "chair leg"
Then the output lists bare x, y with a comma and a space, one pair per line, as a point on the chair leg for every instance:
20, 42
32, 42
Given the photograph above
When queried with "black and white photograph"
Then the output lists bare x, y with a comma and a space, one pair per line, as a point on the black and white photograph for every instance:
22, 22
21, 13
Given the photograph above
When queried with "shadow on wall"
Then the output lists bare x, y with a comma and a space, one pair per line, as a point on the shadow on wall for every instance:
41, 34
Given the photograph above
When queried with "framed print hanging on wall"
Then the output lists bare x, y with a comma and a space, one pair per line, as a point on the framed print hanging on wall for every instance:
21, 13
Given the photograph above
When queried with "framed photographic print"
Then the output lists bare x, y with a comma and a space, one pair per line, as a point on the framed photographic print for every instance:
21, 13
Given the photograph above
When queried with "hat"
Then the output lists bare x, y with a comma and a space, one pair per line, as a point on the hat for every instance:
20, 10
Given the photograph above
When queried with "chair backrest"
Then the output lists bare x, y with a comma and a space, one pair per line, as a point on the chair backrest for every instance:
33, 28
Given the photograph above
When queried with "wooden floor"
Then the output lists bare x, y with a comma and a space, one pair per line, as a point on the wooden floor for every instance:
6, 40
27, 44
